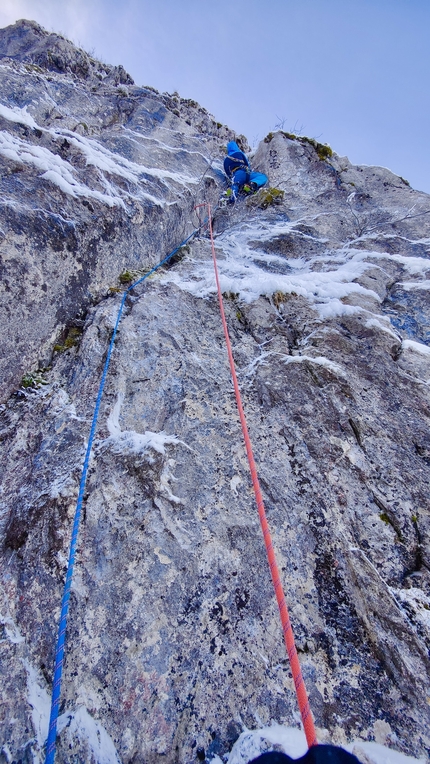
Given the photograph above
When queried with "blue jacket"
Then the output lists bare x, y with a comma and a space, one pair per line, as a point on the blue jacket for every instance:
235, 160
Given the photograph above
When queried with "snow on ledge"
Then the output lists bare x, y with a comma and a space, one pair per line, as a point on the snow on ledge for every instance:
379, 323
115, 164
408, 286
417, 347
17, 115
319, 360
81, 724
60, 172
292, 741
53, 168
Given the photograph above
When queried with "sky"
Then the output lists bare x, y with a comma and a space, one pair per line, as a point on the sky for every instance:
351, 73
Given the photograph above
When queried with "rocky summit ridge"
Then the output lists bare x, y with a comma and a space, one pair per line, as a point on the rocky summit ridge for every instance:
173, 641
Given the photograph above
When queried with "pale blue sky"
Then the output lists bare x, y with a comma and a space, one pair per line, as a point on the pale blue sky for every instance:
352, 73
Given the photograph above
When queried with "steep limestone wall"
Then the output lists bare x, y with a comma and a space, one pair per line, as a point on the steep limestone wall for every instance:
97, 176
173, 639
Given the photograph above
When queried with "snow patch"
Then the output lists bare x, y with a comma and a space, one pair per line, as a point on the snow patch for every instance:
81, 724
417, 347
165, 477
15, 114
375, 753
247, 270
11, 630
319, 360
132, 442
63, 486
379, 324
416, 601
5, 750
292, 741
324, 280
412, 264
251, 368
40, 701
55, 169
253, 742
113, 418
335, 308
61, 404
407, 286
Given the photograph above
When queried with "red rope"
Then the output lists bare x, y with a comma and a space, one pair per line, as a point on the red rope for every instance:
299, 684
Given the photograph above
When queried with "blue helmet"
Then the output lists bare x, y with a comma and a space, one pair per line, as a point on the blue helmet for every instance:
232, 147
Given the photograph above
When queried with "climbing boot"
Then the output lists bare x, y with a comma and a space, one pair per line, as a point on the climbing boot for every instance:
228, 198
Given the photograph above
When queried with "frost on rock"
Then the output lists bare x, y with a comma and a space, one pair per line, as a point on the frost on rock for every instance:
292, 741
131, 442
16, 114
417, 604
173, 639
61, 173
319, 360
81, 729
40, 702
11, 630
416, 347
249, 271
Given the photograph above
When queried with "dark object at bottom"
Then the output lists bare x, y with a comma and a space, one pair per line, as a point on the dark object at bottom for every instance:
318, 754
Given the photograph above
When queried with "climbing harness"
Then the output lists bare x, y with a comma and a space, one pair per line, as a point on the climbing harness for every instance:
299, 684
241, 166
59, 655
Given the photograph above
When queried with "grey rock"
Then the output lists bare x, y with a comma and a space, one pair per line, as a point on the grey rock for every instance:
173, 640
132, 166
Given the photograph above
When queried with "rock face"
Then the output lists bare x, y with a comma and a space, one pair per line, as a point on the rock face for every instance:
100, 176
173, 639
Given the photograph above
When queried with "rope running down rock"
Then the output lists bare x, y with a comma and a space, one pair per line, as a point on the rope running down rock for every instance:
299, 684
59, 655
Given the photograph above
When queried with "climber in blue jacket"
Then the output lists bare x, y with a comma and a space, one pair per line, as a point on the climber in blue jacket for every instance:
238, 170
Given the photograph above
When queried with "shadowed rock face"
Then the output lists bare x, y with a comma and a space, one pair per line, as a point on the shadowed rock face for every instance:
173, 639
101, 177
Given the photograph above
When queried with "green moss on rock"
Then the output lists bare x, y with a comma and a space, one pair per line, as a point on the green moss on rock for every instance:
33, 379
266, 197
323, 150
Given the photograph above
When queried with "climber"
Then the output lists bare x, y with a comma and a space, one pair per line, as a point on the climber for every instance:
318, 754
238, 170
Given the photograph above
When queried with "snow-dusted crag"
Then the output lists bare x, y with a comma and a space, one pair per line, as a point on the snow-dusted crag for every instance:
173, 640
97, 175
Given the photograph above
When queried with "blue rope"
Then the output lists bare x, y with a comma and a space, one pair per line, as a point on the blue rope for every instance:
59, 656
